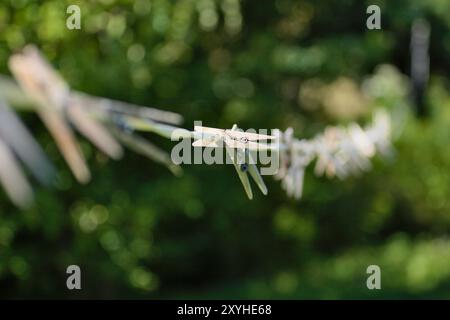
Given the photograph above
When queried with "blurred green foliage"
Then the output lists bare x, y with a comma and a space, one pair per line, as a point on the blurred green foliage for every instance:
138, 232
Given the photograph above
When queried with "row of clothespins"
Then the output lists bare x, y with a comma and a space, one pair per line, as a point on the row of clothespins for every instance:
109, 124
338, 151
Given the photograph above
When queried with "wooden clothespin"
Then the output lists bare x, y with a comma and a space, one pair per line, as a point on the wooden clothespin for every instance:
162, 129
140, 145
124, 131
294, 158
285, 139
380, 133
302, 153
238, 145
326, 147
15, 140
219, 138
12, 178
55, 105
104, 108
14, 134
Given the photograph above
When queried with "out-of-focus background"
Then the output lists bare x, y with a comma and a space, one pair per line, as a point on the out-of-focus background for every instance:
137, 231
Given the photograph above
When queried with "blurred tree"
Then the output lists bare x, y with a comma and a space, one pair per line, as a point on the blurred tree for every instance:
136, 231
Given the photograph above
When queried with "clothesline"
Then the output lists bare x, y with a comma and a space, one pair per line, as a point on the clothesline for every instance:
109, 124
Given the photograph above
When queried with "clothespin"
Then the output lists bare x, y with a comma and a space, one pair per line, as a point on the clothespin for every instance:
49, 92
217, 138
348, 158
102, 107
326, 146
56, 105
358, 149
420, 64
361, 141
126, 126
242, 160
124, 131
15, 140
302, 153
12, 178
285, 139
295, 156
380, 133
238, 145
21, 142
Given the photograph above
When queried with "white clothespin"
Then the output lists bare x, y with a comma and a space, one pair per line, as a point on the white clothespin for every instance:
361, 141
123, 127
348, 159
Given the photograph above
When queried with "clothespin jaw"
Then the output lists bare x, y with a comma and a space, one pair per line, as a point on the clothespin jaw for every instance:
238, 147
254, 173
244, 164
241, 169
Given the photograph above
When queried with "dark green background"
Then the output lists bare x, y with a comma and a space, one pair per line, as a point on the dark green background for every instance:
138, 232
